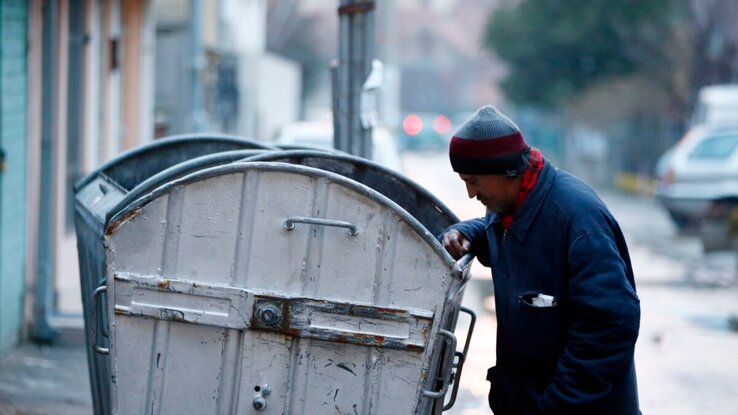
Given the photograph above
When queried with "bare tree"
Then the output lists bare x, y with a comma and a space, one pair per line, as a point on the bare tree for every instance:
282, 22
714, 42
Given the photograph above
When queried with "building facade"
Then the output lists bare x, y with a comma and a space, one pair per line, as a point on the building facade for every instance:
73, 94
13, 120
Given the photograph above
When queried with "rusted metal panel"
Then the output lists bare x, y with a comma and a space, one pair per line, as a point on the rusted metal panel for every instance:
236, 308
343, 322
218, 308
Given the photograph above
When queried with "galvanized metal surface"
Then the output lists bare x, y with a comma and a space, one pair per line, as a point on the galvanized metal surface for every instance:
216, 308
104, 191
90, 206
412, 197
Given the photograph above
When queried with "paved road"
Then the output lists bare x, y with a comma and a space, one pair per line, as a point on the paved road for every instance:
686, 354
43, 380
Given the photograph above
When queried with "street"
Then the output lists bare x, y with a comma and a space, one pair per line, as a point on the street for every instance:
685, 355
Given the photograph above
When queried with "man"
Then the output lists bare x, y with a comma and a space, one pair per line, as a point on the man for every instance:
567, 310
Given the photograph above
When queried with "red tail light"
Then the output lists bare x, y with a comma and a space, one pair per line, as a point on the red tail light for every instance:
441, 124
668, 178
412, 125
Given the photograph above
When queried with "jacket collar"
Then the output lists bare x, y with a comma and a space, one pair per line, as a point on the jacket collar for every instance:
531, 205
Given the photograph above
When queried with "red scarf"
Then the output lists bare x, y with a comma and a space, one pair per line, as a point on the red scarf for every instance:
528, 182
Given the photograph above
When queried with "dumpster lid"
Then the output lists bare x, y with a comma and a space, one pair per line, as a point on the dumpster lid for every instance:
133, 208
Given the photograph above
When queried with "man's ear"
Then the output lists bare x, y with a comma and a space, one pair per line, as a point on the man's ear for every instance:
513, 174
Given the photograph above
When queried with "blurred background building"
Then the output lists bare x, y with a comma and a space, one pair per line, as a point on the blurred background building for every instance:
83, 81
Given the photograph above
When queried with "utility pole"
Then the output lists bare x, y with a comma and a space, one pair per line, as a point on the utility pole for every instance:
197, 113
355, 55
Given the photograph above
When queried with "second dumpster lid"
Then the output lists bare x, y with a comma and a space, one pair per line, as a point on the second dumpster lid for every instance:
180, 170
136, 165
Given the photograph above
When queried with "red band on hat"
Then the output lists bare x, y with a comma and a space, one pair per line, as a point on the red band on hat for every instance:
491, 147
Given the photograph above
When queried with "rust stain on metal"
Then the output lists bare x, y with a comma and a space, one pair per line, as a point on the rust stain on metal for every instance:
376, 312
114, 225
163, 285
286, 316
425, 331
293, 333
414, 348
292, 324
285, 321
373, 339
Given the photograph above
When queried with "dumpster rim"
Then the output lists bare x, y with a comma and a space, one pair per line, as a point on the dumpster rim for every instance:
133, 209
164, 142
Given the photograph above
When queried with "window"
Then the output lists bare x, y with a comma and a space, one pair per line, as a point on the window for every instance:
715, 148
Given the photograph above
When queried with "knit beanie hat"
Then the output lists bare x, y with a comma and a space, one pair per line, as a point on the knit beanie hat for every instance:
488, 143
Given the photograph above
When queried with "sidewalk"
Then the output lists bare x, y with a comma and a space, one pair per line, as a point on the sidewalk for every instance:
45, 380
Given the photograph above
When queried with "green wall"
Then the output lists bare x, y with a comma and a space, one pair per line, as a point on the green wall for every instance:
13, 119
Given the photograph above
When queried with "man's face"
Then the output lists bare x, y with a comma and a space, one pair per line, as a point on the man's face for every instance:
496, 192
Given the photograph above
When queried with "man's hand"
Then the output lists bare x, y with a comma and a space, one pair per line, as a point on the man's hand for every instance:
455, 243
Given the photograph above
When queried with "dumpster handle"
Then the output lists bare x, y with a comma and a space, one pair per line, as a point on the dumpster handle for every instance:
461, 265
462, 357
451, 339
459, 269
289, 223
95, 295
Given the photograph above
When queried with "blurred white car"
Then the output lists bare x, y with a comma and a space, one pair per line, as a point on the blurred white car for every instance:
319, 134
700, 169
716, 104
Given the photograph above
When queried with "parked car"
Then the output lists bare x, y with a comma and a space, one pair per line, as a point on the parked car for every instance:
716, 104
700, 169
319, 134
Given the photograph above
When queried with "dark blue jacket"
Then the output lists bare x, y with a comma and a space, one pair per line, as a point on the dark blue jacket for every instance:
575, 357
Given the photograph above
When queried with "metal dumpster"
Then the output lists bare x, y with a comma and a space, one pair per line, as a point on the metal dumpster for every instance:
99, 194
277, 288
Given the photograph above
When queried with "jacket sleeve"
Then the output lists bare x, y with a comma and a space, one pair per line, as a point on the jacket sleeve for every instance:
605, 319
475, 231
